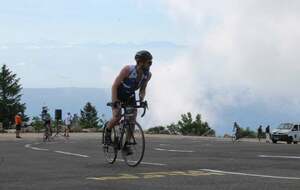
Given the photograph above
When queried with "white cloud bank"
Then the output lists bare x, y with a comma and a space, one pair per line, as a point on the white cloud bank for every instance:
244, 52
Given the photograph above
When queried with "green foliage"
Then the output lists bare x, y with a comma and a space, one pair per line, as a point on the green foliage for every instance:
158, 130
173, 129
188, 126
101, 121
37, 123
247, 133
10, 97
89, 118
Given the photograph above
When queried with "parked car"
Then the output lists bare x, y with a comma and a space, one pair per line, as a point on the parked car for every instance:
288, 132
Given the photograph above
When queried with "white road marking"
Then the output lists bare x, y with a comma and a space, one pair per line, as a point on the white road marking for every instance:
72, 154
35, 148
286, 157
146, 163
163, 144
42, 149
252, 175
161, 149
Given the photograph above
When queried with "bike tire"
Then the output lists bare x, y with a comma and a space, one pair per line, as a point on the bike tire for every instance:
46, 136
137, 144
233, 138
110, 150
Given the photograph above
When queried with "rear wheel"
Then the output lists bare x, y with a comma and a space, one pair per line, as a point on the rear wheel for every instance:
233, 138
135, 141
109, 149
47, 133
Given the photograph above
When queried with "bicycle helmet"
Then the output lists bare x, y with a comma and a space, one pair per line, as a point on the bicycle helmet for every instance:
143, 55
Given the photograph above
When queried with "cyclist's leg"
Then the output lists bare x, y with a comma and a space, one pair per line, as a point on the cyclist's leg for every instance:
131, 126
132, 120
116, 116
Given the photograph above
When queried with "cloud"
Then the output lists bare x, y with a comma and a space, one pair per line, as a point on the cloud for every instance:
247, 52
4, 47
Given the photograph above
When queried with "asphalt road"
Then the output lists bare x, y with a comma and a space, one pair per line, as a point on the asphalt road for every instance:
169, 163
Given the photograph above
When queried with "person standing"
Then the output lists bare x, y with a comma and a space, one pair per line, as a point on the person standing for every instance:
68, 122
268, 134
47, 121
18, 122
259, 133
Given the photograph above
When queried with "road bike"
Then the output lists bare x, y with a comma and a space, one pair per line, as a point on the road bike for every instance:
235, 137
48, 132
127, 135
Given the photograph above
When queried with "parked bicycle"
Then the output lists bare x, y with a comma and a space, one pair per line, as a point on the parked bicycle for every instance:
128, 134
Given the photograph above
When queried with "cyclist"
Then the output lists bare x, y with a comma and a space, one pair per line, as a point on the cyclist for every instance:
47, 121
237, 130
130, 79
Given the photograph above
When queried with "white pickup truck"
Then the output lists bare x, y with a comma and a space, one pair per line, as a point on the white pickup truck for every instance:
288, 132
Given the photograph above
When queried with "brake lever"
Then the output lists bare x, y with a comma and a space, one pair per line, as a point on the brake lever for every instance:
145, 106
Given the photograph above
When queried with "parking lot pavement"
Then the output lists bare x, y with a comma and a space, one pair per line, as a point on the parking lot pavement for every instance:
170, 162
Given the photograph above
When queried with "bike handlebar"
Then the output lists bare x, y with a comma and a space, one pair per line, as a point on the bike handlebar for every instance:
141, 104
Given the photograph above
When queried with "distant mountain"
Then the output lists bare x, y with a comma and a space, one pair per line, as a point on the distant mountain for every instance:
67, 99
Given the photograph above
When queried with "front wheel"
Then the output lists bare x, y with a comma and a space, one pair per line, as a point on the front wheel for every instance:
109, 149
290, 140
134, 140
233, 138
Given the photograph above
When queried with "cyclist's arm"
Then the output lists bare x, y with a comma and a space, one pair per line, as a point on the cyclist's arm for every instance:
142, 92
118, 81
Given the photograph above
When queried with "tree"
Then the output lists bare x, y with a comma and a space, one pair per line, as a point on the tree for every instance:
248, 133
10, 97
89, 118
173, 129
158, 130
37, 123
188, 126
102, 121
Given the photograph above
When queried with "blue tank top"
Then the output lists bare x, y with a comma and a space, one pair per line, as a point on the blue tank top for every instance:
131, 83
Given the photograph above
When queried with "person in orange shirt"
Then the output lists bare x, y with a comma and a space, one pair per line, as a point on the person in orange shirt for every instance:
18, 122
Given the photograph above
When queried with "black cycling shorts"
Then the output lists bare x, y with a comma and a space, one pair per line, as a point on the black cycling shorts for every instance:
18, 127
126, 97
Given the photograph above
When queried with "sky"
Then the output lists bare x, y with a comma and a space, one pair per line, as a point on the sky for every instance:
81, 21
228, 60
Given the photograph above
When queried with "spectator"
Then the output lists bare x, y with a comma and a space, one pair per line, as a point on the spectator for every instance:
259, 133
268, 134
68, 122
18, 122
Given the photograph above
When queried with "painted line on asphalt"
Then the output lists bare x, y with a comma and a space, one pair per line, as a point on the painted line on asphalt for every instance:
163, 144
153, 175
252, 175
286, 157
72, 154
42, 149
35, 148
161, 149
145, 163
